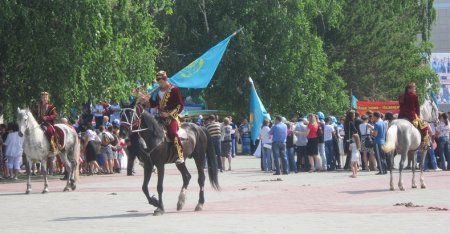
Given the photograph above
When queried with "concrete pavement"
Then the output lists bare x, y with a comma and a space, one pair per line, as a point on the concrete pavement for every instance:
250, 202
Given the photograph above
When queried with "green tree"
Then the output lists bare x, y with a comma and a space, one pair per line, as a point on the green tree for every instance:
383, 45
279, 48
76, 50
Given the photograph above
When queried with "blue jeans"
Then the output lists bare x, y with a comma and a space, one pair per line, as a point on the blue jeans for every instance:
430, 157
291, 159
233, 146
267, 158
381, 159
444, 151
279, 152
329, 152
217, 148
323, 158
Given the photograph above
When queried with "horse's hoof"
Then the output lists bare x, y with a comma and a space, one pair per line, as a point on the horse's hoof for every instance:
423, 186
158, 212
44, 191
199, 207
73, 187
28, 192
413, 186
392, 188
66, 189
181, 201
402, 189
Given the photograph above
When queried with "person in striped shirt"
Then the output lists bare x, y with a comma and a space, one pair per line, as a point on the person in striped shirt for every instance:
214, 129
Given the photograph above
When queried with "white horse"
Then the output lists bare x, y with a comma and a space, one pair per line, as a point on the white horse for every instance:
403, 137
37, 148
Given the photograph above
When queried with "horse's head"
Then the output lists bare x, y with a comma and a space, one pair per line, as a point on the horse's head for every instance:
130, 118
429, 111
22, 120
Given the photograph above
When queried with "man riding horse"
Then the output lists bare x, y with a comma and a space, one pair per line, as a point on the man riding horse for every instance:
410, 109
45, 114
168, 101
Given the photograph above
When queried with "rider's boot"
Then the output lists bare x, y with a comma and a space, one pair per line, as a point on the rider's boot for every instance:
179, 149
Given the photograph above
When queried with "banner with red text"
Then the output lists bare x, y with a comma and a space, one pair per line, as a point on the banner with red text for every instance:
383, 107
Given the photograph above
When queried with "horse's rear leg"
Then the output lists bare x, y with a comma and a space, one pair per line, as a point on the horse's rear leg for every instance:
69, 169
201, 182
160, 210
186, 178
421, 166
414, 155
44, 170
400, 169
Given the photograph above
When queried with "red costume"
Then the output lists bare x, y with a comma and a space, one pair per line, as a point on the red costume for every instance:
172, 103
45, 115
409, 107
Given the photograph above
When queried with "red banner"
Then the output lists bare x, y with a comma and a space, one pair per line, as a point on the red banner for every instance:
383, 107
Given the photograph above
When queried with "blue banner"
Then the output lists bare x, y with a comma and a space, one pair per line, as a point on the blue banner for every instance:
199, 73
354, 102
257, 112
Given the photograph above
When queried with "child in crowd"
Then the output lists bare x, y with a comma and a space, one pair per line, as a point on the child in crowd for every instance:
355, 147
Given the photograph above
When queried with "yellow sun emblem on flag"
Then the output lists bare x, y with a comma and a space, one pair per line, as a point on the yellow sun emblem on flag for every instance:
192, 68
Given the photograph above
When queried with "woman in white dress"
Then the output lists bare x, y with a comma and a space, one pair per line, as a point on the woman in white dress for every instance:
355, 147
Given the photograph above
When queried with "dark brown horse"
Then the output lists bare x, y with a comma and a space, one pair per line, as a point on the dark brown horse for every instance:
157, 151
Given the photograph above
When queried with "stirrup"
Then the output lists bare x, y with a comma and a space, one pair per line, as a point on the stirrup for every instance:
179, 161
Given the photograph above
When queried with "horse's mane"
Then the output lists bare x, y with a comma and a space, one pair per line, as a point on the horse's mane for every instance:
152, 125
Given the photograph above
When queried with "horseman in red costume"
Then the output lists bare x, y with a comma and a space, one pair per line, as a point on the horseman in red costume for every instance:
410, 109
169, 103
45, 114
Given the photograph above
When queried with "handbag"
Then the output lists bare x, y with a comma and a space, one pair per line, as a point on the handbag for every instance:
369, 142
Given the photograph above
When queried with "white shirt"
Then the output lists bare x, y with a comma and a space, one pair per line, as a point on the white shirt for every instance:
91, 135
364, 129
14, 145
265, 136
443, 129
328, 132
161, 94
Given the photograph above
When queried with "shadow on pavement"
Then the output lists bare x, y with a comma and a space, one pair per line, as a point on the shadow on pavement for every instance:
366, 191
103, 217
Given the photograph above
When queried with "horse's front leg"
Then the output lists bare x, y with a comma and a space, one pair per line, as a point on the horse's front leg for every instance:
44, 171
28, 191
421, 167
147, 175
413, 182
186, 178
160, 210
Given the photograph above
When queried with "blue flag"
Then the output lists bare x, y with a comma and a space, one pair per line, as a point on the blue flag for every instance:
199, 73
354, 102
433, 97
257, 112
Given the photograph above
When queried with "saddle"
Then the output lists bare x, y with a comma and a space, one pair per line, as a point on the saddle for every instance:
181, 133
55, 135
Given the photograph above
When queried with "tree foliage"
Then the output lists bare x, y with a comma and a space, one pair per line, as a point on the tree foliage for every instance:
76, 50
303, 55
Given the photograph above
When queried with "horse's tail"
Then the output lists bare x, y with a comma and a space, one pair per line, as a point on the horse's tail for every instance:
76, 157
391, 139
212, 162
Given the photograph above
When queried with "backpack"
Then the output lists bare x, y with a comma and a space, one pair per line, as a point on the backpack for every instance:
320, 132
105, 139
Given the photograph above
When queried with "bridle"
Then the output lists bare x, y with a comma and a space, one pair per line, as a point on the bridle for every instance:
133, 123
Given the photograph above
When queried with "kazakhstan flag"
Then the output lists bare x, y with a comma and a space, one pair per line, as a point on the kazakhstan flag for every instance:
257, 112
199, 73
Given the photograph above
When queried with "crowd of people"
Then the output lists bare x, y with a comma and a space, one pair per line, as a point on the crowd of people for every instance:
310, 143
